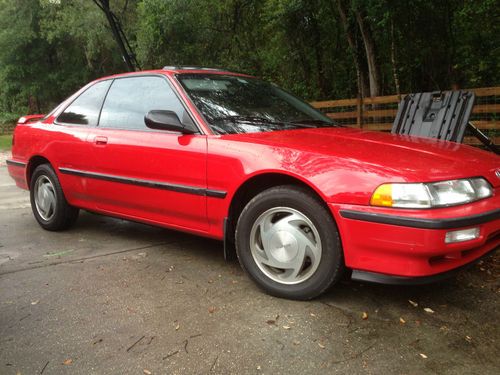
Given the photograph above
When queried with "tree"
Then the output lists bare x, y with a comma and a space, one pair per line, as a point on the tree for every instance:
318, 49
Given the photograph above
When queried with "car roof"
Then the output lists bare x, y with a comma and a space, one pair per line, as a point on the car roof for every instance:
172, 70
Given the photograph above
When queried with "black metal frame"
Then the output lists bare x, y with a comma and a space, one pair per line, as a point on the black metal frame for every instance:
125, 48
439, 114
488, 143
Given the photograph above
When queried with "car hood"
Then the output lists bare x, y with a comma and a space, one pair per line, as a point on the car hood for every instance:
395, 157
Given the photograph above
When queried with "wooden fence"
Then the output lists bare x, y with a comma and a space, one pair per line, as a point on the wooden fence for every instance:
378, 113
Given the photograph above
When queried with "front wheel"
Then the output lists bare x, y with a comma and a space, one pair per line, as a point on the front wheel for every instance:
48, 203
289, 244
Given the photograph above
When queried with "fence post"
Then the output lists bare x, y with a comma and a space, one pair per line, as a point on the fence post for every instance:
359, 118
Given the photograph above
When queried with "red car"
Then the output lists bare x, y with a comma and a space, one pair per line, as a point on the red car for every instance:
230, 157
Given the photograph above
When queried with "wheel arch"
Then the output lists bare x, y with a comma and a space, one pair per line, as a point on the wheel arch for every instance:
249, 189
34, 162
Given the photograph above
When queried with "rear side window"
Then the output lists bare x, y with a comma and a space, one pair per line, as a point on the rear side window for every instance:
85, 109
130, 99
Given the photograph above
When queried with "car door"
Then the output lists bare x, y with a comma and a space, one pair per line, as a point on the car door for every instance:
66, 142
152, 175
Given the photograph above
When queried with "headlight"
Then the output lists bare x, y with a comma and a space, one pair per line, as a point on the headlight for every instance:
435, 194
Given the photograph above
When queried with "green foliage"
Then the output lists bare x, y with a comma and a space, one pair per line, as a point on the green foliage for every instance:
48, 49
5, 142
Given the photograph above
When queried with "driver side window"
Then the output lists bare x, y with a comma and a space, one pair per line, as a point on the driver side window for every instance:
130, 99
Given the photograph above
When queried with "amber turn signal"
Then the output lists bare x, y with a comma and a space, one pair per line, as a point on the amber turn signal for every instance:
382, 196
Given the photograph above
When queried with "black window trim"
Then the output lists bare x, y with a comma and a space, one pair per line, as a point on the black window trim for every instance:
103, 101
147, 130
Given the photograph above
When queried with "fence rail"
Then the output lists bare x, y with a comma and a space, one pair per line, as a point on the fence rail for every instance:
378, 113
7, 128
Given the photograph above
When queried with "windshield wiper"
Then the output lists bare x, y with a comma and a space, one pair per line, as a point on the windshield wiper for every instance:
260, 120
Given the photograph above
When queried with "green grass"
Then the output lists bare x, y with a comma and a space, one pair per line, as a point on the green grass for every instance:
5, 142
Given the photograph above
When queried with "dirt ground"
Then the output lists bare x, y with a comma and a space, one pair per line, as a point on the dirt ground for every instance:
114, 297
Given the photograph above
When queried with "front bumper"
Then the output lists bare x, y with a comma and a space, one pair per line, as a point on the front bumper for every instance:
397, 246
381, 278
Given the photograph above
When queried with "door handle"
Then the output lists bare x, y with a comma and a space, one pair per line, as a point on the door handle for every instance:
100, 140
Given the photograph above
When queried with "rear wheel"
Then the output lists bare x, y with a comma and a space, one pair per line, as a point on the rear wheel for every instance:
48, 203
288, 243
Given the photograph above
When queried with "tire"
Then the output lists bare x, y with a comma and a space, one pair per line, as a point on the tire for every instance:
48, 203
288, 243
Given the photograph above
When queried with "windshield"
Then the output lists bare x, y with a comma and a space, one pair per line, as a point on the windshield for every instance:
233, 104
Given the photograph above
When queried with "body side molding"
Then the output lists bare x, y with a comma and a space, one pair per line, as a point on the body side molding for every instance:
147, 183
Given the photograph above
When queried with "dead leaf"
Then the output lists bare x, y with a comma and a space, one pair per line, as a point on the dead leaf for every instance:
364, 316
286, 327
271, 322
423, 356
414, 304
212, 309
321, 345
313, 315
147, 372
429, 310
258, 367
402, 321
468, 338
35, 302
67, 362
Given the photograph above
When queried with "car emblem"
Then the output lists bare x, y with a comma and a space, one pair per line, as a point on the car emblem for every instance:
497, 172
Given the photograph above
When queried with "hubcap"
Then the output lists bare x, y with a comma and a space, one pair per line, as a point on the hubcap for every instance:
285, 245
45, 198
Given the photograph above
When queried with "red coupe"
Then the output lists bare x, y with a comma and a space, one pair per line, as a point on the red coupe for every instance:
228, 156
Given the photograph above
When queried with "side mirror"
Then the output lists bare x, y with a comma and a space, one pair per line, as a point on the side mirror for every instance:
165, 120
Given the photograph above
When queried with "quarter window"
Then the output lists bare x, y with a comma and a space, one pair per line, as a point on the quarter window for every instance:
130, 99
85, 109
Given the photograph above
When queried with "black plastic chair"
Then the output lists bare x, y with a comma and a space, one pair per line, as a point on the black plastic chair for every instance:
440, 114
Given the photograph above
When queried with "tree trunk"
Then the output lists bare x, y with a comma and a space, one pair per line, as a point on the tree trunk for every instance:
306, 69
371, 55
363, 88
394, 62
319, 58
